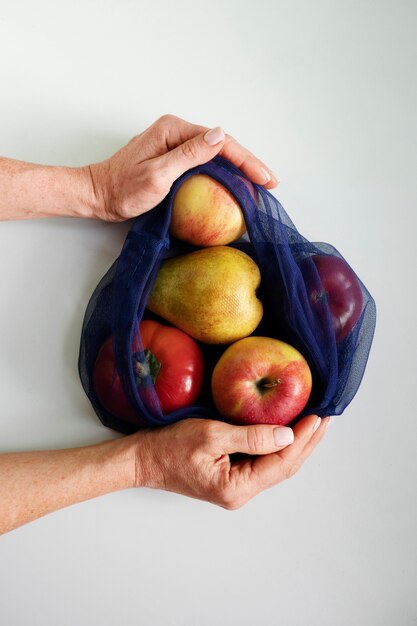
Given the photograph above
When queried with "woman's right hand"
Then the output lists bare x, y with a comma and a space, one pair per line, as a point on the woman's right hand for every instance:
192, 457
139, 175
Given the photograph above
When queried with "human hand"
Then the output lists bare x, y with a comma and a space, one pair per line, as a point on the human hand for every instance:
191, 457
138, 176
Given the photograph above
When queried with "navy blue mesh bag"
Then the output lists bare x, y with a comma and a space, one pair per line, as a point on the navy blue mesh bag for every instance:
296, 308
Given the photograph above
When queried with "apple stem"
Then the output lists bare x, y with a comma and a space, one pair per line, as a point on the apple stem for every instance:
273, 383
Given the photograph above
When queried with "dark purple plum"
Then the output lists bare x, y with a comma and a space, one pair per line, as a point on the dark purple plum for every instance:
342, 290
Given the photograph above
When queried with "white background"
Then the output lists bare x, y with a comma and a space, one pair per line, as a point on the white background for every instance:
324, 92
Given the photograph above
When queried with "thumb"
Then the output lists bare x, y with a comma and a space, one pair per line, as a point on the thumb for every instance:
196, 151
257, 438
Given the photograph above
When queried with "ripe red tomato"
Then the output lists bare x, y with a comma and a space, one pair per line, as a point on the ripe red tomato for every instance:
174, 362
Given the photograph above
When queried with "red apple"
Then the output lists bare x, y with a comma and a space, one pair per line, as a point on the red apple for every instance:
342, 290
260, 380
205, 213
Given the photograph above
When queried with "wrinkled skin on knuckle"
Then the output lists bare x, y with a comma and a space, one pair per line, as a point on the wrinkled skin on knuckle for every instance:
255, 438
166, 119
160, 130
209, 434
189, 150
158, 139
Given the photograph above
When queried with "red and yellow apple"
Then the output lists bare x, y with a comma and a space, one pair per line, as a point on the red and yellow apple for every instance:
204, 213
260, 380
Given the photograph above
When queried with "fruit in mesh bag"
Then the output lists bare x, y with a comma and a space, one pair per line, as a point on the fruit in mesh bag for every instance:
260, 380
172, 359
204, 213
340, 291
210, 294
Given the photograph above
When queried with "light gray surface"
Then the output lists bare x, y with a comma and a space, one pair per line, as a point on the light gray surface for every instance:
325, 93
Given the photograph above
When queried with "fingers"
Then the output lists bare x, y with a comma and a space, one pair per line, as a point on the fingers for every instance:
254, 169
303, 432
173, 131
170, 132
273, 468
315, 439
256, 439
195, 151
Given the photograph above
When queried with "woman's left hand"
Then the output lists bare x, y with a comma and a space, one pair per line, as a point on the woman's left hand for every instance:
138, 176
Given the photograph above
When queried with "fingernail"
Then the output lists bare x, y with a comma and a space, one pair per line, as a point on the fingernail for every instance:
330, 421
266, 174
283, 436
317, 424
275, 176
213, 136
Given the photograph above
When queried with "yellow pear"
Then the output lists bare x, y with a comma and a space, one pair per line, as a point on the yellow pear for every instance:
210, 294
